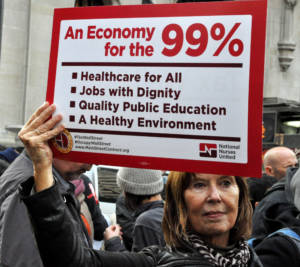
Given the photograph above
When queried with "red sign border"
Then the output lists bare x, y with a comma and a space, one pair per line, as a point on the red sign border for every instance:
256, 8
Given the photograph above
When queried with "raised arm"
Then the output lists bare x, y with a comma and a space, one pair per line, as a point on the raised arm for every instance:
35, 136
59, 243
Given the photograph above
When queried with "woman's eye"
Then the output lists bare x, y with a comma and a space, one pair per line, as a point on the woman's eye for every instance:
198, 185
226, 183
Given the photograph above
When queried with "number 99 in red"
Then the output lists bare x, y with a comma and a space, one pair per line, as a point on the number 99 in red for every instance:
177, 40
197, 36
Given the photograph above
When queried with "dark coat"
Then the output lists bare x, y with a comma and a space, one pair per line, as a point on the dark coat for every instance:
279, 250
147, 230
3, 166
276, 210
17, 241
259, 186
126, 219
61, 247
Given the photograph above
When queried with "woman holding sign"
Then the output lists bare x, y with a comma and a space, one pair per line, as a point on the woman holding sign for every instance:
207, 217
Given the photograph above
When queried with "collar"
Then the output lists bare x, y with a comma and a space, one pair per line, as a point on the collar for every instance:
149, 206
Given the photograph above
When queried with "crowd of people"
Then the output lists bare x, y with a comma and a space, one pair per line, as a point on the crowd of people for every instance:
49, 214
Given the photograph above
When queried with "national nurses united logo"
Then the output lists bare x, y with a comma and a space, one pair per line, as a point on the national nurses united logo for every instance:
63, 142
208, 150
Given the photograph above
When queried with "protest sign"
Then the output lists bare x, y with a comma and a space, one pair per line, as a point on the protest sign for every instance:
170, 87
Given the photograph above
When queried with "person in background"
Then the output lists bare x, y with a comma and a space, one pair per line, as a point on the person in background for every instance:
89, 207
276, 209
277, 160
18, 247
142, 190
7, 156
282, 247
258, 187
126, 220
206, 221
276, 200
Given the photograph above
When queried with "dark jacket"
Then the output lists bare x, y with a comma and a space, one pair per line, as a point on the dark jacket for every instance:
17, 243
276, 210
147, 230
280, 250
258, 187
3, 166
126, 219
60, 246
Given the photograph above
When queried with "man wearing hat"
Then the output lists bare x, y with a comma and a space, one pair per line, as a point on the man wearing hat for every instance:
142, 190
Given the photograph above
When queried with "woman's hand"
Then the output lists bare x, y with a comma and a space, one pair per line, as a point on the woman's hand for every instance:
35, 136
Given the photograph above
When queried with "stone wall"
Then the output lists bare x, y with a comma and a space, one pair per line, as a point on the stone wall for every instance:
26, 37
282, 81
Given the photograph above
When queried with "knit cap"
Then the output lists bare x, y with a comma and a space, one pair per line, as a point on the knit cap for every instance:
140, 181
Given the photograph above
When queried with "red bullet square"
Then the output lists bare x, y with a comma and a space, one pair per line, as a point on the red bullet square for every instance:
72, 104
74, 75
73, 89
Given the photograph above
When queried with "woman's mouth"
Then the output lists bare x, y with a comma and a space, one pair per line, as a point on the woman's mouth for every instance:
213, 214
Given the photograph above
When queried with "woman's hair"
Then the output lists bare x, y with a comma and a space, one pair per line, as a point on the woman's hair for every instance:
134, 201
175, 220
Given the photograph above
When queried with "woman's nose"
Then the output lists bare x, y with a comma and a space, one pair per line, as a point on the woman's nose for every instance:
214, 194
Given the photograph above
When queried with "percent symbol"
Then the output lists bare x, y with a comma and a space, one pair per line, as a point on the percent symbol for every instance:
236, 46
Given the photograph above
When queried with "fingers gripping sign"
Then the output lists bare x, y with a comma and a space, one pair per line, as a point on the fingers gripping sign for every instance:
35, 136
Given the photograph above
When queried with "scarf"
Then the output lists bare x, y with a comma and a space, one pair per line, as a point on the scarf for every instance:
79, 186
239, 256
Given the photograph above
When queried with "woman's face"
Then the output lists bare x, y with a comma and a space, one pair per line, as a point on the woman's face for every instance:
212, 205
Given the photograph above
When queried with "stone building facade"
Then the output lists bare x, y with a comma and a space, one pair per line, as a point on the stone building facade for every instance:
25, 35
